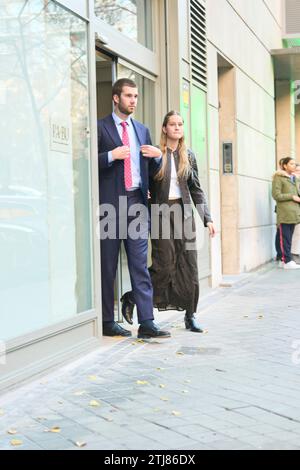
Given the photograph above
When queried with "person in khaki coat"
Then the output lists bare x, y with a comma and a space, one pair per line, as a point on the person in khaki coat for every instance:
296, 236
285, 191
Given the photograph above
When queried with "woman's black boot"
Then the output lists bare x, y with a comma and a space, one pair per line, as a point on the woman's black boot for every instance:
191, 324
128, 307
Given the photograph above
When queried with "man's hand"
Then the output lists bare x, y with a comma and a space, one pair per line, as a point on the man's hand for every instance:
212, 230
296, 198
150, 152
121, 153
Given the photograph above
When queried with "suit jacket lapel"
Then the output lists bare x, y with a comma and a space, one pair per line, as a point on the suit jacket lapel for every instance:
138, 132
111, 128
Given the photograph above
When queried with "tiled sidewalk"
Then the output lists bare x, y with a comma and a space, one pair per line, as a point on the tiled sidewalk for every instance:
235, 387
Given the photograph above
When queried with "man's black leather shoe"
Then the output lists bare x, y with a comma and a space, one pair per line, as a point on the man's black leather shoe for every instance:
152, 331
127, 307
115, 330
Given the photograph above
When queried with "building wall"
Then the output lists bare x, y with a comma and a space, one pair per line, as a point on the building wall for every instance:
244, 33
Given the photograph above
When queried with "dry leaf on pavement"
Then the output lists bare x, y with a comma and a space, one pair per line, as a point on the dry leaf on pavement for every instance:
92, 378
55, 430
108, 418
94, 403
16, 442
80, 444
12, 431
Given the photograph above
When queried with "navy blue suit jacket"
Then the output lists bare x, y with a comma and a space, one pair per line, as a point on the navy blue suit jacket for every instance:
111, 177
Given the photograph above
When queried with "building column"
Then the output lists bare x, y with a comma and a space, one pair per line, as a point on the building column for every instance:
297, 132
229, 182
285, 120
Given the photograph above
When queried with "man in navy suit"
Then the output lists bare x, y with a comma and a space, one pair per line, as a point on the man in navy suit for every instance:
127, 160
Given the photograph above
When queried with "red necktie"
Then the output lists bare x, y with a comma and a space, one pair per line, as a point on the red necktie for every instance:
127, 161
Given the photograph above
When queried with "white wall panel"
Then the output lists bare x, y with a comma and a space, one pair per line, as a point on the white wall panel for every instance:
258, 18
255, 202
254, 106
229, 33
256, 153
256, 247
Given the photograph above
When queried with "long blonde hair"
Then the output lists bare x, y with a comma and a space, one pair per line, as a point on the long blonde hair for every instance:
184, 164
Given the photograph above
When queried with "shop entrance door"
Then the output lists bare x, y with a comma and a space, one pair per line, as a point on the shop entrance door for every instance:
109, 69
105, 76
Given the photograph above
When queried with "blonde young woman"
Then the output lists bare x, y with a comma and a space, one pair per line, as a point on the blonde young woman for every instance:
174, 271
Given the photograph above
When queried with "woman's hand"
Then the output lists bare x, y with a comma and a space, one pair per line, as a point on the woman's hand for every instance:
296, 198
150, 151
212, 230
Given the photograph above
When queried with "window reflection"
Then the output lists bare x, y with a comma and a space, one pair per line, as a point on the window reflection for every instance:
130, 17
145, 111
45, 272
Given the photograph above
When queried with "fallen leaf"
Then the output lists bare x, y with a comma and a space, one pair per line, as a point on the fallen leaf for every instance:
142, 382
60, 402
80, 444
79, 393
16, 442
160, 368
54, 430
260, 317
162, 386
140, 341
12, 431
176, 413
94, 403
180, 353
164, 399
108, 418
92, 378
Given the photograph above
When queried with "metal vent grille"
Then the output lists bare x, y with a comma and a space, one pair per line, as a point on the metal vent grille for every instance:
198, 43
292, 17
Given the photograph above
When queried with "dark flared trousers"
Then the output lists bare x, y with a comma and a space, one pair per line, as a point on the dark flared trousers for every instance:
174, 271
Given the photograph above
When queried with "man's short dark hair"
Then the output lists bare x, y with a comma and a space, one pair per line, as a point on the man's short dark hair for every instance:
119, 85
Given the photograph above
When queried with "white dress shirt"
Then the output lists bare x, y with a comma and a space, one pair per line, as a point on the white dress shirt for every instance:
175, 192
